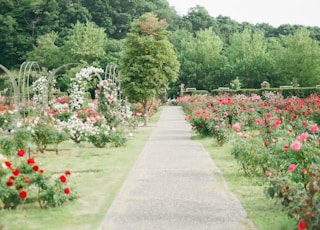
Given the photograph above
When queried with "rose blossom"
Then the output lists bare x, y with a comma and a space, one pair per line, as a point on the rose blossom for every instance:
23, 194
35, 168
303, 136
236, 127
63, 179
302, 225
8, 164
296, 145
21, 152
9, 182
314, 128
16, 172
67, 190
30, 161
292, 167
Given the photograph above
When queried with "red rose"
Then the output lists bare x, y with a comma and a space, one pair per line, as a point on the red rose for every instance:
8, 164
67, 190
9, 182
21, 152
63, 178
286, 147
302, 225
23, 194
67, 172
35, 168
31, 161
16, 172
41, 171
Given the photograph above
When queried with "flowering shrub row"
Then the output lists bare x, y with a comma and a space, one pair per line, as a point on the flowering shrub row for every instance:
274, 138
73, 116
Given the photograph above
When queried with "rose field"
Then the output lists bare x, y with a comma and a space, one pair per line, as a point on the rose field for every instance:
64, 157
275, 141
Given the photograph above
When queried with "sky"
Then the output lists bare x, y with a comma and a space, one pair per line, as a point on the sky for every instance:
273, 12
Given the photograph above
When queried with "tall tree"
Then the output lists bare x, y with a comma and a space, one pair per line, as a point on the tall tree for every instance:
200, 58
86, 43
149, 62
248, 58
199, 19
46, 53
298, 58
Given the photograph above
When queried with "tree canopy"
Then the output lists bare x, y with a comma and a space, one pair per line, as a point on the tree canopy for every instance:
212, 51
149, 62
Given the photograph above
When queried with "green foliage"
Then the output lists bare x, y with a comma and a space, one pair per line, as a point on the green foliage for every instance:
298, 57
86, 43
212, 51
200, 58
101, 137
199, 19
149, 62
5, 120
248, 58
21, 138
117, 138
18, 138
44, 132
235, 84
46, 53
7, 145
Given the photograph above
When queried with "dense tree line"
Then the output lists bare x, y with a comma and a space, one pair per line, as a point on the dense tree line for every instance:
212, 51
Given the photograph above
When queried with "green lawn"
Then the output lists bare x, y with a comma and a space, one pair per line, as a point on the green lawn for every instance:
250, 191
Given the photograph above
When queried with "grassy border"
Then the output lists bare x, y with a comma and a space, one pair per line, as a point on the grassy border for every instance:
264, 212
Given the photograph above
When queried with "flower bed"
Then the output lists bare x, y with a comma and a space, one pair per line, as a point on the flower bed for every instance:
275, 139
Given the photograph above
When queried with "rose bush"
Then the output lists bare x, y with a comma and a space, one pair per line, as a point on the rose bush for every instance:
22, 180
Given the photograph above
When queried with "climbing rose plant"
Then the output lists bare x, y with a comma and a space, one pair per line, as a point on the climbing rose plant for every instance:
78, 86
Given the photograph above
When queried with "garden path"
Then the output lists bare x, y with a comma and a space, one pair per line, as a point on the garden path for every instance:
175, 185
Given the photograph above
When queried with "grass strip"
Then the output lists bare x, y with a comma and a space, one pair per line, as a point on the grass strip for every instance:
264, 212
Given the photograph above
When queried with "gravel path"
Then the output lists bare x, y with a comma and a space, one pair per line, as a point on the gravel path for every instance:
175, 185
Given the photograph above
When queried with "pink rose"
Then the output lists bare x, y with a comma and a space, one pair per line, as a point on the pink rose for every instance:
314, 128
292, 167
236, 127
296, 145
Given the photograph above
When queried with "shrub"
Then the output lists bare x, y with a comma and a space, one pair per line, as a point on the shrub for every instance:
25, 182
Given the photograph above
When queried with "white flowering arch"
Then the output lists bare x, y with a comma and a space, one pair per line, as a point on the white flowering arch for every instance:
78, 85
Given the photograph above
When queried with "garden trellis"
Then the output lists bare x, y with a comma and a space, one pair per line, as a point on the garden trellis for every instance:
30, 72
112, 72
21, 83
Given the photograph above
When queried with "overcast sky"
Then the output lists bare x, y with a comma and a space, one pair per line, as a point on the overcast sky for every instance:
273, 12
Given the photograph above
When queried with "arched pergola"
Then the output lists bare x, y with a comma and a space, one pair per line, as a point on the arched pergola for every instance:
21, 83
